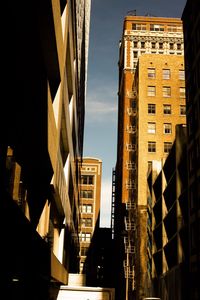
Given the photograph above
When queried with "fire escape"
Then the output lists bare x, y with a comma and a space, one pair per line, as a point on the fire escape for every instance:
130, 185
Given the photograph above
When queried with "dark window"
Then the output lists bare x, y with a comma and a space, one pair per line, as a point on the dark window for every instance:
167, 147
87, 194
151, 108
87, 179
151, 146
167, 109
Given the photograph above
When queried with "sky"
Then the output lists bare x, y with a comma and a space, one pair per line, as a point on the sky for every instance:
100, 131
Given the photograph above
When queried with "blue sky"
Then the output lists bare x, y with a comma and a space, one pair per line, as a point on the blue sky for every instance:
100, 136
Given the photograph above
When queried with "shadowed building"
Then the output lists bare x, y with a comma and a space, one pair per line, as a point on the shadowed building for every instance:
168, 222
41, 144
191, 25
99, 264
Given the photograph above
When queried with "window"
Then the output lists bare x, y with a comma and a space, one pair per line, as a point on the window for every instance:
178, 46
160, 45
86, 222
87, 179
171, 46
151, 109
167, 147
86, 208
151, 73
167, 128
151, 127
151, 91
138, 26
156, 27
153, 45
142, 45
182, 92
174, 28
182, 110
166, 73
87, 194
84, 251
85, 237
151, 146
135, 44
166, 91
182, 74
167, 109
135, 54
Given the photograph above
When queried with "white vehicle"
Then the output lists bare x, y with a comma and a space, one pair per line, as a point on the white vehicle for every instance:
152, 298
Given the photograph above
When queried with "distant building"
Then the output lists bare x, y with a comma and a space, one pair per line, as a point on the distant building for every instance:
41, 144
151, 102
99, 267
191, 26
90, 196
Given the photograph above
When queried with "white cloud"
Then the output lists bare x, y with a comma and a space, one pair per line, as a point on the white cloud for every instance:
101, 105
105, 210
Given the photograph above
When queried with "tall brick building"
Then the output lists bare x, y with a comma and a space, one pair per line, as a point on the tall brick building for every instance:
151, 102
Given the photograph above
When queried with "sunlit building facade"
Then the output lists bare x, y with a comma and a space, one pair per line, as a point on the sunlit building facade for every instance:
41, 145
151, 102
90, 196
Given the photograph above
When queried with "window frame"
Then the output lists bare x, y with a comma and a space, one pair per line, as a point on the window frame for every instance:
157, 27
87, 194
167, 128
86, 179
151, 147
150, 109
167, 111
166, 91
87, 208
151, 73
151, 127
181, 74
181, 93
166, 74
151, 90
139, 26
180, 110
166, 147
85, 237
86, 222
